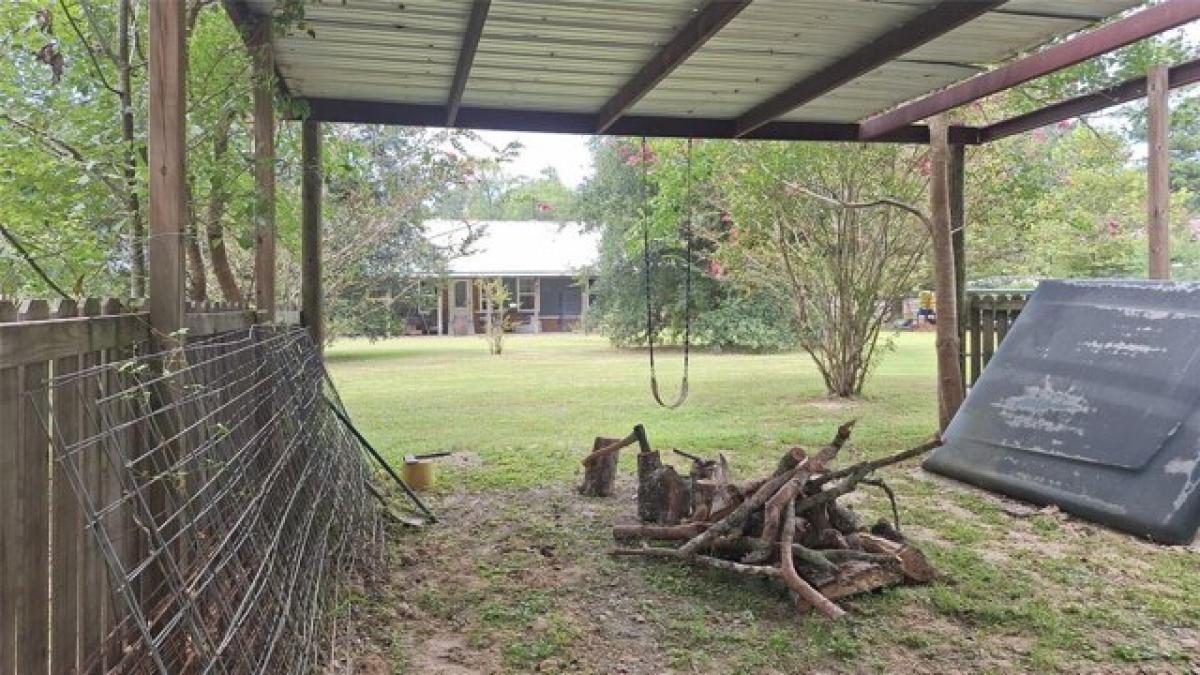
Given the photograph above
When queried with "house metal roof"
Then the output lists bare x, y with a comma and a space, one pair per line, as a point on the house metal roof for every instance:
564, 64
517, 248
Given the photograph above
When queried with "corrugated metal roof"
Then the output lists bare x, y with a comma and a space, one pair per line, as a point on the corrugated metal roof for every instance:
573, 55
517, 247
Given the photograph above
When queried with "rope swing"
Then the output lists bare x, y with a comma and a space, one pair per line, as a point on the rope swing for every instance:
687, 287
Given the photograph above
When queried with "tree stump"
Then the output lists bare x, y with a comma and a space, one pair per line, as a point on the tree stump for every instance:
664, 497
648, 463
600, 473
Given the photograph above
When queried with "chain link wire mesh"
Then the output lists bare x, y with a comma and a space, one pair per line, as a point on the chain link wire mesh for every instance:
230, 504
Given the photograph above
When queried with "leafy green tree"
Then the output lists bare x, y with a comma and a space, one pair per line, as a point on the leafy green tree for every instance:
72, 154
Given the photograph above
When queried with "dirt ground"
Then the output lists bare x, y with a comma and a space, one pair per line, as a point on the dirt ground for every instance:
518, 581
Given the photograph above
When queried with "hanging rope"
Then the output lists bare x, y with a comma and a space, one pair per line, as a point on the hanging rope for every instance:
687, 284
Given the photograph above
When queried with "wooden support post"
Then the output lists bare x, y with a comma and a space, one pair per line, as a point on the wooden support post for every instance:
264, 171
957, 178
310, 240
950, 385
441, 301
1158, 232
167, 148
168, 224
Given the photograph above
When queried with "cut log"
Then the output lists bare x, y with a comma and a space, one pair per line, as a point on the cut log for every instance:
843, 518
600, 473
664, 497
857, 577
680, 532
647, 464
883, 528
913, 564
790, 460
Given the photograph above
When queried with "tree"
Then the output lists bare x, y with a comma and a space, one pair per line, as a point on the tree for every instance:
496, 320
72, 86
831, 228
620, 200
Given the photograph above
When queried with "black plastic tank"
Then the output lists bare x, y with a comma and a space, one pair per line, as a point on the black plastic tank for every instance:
1092, 403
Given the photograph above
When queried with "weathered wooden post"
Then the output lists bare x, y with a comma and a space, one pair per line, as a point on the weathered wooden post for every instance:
310, 240
1158, 220
167, 150
950, 385
168, 224
264, 172
957, 188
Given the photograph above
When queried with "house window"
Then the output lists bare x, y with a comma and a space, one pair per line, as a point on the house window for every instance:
526, 294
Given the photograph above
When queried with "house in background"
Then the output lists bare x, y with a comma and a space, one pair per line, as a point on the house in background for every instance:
543, 264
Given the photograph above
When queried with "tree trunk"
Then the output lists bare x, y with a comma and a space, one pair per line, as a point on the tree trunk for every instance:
199, 287
950, 388
137, 227
214, 231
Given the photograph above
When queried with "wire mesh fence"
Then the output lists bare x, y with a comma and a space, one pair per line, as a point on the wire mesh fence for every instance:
228, 501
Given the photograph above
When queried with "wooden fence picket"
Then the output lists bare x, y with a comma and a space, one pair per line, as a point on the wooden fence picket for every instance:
94, 573
66, 522
33, 480
987, 319
10, 396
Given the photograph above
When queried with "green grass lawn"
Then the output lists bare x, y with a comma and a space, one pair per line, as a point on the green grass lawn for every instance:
515, 577
527, 412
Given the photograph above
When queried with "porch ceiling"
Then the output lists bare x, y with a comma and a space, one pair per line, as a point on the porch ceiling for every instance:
733, 67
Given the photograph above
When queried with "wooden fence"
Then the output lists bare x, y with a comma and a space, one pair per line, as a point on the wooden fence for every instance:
55, 604
986, 319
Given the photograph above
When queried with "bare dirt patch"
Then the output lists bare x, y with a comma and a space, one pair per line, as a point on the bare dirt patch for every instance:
519, 581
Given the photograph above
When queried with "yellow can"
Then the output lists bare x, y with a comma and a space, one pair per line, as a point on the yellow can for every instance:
418, 473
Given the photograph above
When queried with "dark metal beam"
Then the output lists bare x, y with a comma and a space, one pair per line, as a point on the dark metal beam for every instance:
899, 40
1178, 76
1150, 21
466, 57
699, 29
375, 112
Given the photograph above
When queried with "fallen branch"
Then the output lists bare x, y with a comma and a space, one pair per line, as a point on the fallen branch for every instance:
787, 569
701, 560
855, 475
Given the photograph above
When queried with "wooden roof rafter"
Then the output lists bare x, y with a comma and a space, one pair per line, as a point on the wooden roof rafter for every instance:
1121, 32
899, 40
707, 21
1129, 90
466, 57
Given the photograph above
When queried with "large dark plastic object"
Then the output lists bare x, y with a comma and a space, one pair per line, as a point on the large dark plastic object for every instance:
1092, 402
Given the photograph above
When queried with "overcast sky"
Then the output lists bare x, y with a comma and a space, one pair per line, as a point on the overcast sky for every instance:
567, 153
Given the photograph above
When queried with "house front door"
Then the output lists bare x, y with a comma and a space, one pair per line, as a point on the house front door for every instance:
462, 319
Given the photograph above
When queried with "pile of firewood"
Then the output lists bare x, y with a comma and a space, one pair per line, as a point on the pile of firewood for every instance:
788, 525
